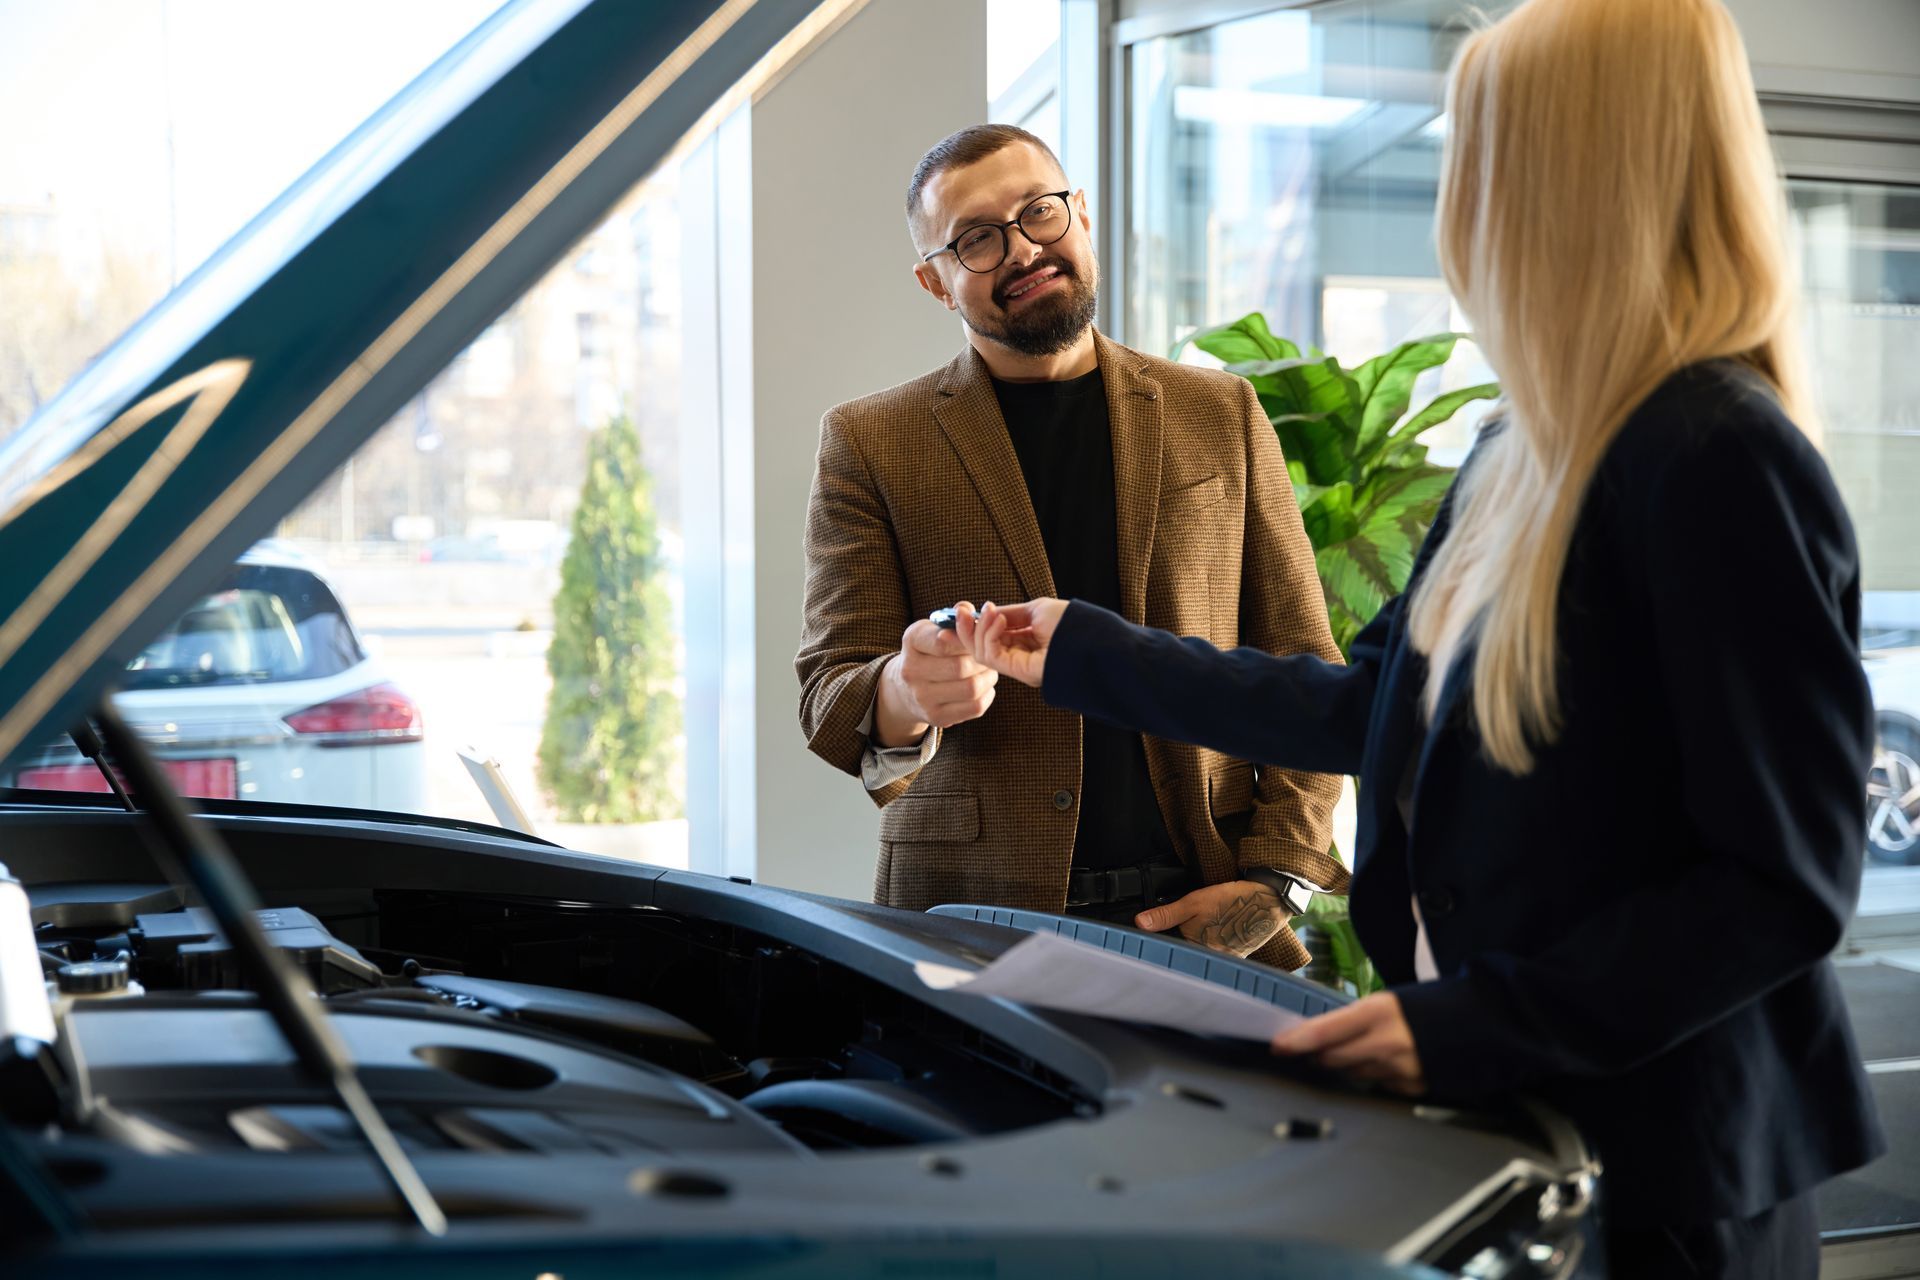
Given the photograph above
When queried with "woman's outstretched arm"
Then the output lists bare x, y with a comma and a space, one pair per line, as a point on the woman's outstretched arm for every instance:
1296, 712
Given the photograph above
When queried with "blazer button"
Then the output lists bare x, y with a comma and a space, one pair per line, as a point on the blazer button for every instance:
1436, 904
1063, 800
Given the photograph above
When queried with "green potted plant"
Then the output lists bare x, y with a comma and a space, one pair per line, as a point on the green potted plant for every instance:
1367, 497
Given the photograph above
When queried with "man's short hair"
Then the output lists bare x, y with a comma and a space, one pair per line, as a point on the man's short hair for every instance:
968, 146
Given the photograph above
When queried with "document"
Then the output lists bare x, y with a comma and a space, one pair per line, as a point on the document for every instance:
1052, 972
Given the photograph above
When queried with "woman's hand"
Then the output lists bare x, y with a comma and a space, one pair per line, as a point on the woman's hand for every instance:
1012, 640
1367, 1040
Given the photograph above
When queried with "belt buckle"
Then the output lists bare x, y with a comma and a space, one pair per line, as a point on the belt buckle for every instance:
1101, 887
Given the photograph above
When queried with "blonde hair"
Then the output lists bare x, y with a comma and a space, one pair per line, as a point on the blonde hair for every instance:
1609, 213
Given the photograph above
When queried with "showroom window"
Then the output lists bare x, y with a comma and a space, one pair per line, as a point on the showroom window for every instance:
389, 646
1860, 267
1860, 270
1287, 163
510, 548
1023, 66
144, 133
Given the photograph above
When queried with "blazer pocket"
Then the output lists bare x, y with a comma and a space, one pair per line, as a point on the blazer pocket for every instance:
951, 816
1196, 496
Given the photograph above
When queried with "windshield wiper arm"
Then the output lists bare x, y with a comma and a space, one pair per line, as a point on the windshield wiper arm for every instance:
190, 851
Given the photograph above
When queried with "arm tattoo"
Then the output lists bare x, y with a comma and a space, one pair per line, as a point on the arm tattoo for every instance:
1244, 924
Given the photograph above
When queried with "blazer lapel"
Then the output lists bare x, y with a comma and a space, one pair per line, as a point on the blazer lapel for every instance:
1457, 686
1402, 729
965, 407
1133, 412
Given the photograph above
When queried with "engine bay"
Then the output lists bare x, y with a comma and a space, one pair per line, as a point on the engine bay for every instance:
505, 1026
577, 1053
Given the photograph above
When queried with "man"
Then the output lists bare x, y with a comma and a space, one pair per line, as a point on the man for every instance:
1047, 460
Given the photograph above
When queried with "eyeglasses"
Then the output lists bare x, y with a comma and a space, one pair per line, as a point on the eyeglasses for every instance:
983, 248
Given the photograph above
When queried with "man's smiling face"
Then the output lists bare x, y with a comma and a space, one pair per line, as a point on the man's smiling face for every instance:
1041, 298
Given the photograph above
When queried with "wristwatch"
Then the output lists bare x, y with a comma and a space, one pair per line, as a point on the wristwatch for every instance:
1294, 892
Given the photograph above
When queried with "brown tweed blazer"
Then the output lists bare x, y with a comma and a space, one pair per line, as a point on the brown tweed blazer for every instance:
918, 501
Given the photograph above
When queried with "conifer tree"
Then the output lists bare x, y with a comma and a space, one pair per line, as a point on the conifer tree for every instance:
609, 746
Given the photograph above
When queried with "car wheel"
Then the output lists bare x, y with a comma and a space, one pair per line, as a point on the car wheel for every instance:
1893, 797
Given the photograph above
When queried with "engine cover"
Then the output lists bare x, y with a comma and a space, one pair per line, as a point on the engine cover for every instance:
212, 1072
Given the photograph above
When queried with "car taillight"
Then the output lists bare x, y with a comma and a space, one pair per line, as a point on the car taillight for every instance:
379, 714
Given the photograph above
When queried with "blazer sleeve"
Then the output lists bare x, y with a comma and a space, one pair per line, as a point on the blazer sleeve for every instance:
1283, 612
1753, 582
854, 608
1295, 712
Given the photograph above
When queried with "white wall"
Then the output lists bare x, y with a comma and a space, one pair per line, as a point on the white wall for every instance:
833, 145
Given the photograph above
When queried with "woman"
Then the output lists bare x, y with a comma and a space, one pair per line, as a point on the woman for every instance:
1612, 741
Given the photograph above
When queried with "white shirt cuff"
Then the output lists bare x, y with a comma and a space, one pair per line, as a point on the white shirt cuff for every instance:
883, 766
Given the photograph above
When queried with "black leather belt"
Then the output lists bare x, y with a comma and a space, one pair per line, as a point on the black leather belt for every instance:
1089, 888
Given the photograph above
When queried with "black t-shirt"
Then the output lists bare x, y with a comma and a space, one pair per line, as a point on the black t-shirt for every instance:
1061, 435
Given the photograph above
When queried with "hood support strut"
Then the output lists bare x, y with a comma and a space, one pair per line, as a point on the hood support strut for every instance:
190, 852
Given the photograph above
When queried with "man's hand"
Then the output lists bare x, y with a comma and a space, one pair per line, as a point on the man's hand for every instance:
933, 682
1237, 916
1013, 640
1367, 1040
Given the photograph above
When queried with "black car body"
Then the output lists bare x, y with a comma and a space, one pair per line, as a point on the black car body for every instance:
596, 1067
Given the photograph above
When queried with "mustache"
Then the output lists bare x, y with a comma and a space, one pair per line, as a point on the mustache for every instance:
1060, 266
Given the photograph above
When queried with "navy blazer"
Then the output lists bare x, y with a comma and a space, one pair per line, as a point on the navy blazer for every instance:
1638, 929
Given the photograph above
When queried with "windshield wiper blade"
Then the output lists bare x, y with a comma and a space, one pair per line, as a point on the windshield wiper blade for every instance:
189, 851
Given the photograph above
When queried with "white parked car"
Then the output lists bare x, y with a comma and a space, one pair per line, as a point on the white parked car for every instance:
262, 692
1893, 790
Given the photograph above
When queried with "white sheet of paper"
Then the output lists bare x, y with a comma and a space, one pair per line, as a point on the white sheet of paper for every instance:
1052, 972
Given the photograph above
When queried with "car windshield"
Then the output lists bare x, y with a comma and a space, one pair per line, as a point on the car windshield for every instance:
265, 623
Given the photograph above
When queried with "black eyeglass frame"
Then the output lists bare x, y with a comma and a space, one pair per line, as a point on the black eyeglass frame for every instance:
1006, 241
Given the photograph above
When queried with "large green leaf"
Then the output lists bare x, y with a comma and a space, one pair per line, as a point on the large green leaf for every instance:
1317, 442
1265, 368
1369, 374
1245, 339
1328, 913
1385, 385
1396, 510
1393, 544
1344, 626
1444, 407
1307, 385
1328, 513
1351, 573
1310, 403
1280, 398
1400, 456
1390, 493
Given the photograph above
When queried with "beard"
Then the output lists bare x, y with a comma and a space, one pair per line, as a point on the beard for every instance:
1046, 326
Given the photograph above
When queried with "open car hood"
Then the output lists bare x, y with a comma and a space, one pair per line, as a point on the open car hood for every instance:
130, 493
